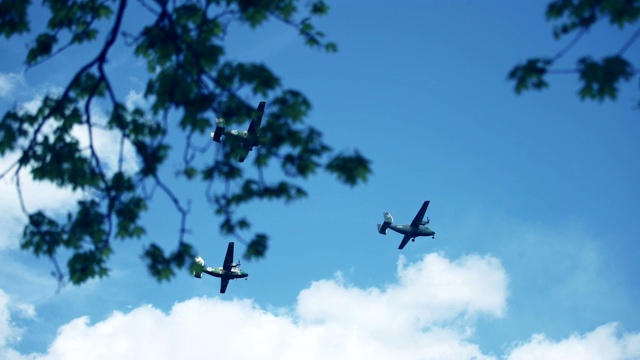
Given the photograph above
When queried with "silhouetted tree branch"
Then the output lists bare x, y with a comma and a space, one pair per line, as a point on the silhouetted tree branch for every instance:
188, 78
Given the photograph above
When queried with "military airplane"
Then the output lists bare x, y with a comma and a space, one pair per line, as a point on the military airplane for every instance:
416, 228
228, 271
249, 138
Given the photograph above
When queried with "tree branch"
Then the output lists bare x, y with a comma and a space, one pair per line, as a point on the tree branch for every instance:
570, 45
629, 42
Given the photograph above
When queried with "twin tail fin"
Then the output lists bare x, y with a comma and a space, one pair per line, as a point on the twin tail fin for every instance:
388, 220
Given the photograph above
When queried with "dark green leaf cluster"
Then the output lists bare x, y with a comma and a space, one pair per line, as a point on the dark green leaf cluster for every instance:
86, 235
13, 17
599, 80
582, 14
530, 75
257, 247
161, 266
77, 19
190, 78
351, 169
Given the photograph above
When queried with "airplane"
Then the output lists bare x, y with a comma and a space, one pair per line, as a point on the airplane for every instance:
228, 271
249, 138
416, 228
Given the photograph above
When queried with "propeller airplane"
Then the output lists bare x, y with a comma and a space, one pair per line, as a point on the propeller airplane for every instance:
418, 226
228, 271
249, 138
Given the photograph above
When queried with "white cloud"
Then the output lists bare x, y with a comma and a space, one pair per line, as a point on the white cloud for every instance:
430, 312
605, 342
8, 84
331, 320
46, 196
9, 333
40, 195
135, 99
432, 291
107, 146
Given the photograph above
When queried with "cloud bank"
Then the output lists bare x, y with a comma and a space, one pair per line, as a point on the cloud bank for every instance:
430, 312
605, 342
9, 83
10, 333
46, 196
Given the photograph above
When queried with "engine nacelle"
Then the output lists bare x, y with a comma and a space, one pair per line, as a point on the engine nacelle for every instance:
198, 268
243, 134
388, 218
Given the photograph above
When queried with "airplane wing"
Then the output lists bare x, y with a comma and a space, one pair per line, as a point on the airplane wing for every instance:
253, 137
420, 215
228, 259
223, 285
255, 122
404, 242
244, 155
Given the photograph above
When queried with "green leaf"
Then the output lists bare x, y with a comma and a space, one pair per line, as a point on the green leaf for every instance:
152, 156
190, 172
319, 8
158, 264
42, 235
13, 17
42, 48
189, 80
530, 75
331, 47
128, 214
85, 265
11, 128
600, 80
621, 12
350, 169
257, 248
162, 267
88, 224
255, 12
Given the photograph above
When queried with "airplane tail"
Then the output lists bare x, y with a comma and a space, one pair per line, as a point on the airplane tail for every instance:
197, 267
219, 131
388, 220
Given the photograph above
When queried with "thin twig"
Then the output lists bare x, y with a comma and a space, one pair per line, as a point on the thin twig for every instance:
629, 42
57, 273
570, 45
20, 198
15, 163
176, 203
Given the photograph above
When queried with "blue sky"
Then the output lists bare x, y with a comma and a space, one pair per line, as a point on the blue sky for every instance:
534, 201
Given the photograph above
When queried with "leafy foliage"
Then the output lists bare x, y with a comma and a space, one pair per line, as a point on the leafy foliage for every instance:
190, 78
13, 17
530, 75
599, 79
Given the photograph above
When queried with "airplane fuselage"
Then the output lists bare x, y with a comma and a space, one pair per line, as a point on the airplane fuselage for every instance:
234, 273
412, 231
249, 138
